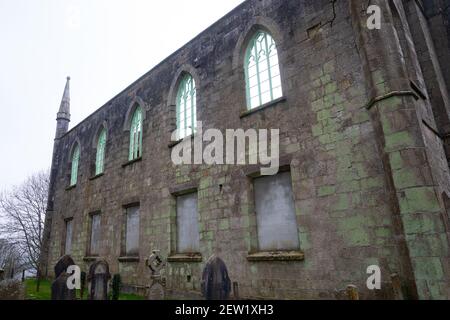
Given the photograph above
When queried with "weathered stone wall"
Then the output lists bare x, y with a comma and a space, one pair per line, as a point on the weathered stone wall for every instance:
351, 167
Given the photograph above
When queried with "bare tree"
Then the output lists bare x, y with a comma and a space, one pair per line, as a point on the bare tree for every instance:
22, 214
12, 260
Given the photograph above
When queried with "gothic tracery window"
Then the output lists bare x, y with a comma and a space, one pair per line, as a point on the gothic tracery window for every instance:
75, 162
136, 135
262, 70
100, 157
186, 107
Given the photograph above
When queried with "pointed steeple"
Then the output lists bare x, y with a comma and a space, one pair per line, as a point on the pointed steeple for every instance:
63, 115
64, 109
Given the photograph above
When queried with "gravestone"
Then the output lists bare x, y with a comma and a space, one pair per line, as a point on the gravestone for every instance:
98, 280
156, 291
63, 263
59, 288
216, 285
157, 286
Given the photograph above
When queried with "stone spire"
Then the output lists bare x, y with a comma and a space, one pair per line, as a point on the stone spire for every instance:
63, 115
64, 109
62, 125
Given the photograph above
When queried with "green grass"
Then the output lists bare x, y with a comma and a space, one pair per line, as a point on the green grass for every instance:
45, 292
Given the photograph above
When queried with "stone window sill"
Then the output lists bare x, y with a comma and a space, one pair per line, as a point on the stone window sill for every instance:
263, 107
276, 256
128, 259
97, 176
71, 187
185, 257
174, 143
90, 258
129, 163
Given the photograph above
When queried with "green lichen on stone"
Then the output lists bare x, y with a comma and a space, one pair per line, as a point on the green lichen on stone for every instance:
360, 116
342, 202
330, 127
326, 191
361, 170
205, 183
372, 183
317, 130
254, 269
316, 73
318, 105
405, 178
428, 268
304, 241
391, 104
245, 222
420, 199
224, 224
396, 160
331, 88
325, 139
357, 237
349, 186
377, 77
433, 244
354, 230
329, 67
323, 114
325, 79
399, 139
383, 232
421, 224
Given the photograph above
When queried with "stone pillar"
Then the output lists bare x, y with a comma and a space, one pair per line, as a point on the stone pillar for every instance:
395, 113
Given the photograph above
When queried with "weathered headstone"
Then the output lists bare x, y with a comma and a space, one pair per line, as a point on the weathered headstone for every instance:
156, 291
157, 286
59, 288
63, 263
98, 280
216, 285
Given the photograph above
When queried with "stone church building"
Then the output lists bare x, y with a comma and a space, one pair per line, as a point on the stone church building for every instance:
364, 120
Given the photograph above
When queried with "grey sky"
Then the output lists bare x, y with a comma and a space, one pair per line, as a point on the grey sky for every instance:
104, 45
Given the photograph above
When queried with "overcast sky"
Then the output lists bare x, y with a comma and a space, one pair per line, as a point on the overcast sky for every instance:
104, 45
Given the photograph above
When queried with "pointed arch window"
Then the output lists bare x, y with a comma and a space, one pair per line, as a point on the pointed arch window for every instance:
262, 70
136, 135
186, 107
75, 162
100, 157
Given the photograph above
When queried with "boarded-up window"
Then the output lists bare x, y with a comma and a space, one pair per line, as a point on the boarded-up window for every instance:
188, 239
95, 235
275, 213
68, 240
132, 232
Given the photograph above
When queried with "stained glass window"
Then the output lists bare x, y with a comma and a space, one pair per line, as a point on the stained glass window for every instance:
136, 135
75, 161
186, 107
262, 71
100, 158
